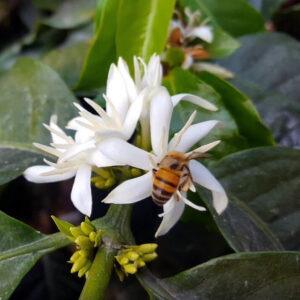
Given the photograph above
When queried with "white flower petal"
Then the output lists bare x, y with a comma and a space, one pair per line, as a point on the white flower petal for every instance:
124, 153
175, 209
57, 138
202, 32
76, 149
193, 99
204, 148
153, 74
116, 92
160, 118
131, 191
133, 115
129, 83
191, 204
192, 135
204, 177
98, 159
35, 174
81, 194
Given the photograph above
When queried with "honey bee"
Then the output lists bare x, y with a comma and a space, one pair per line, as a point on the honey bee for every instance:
172, 174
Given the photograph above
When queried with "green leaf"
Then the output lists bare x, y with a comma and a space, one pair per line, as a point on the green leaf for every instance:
67, 61
63, 226
143, 27
242, 110
20, 248
274, 90
262, 275
30, 93
241, 227
72, 13
102, 50
237, 17
267, 180
266, 7
223, 44
233, 131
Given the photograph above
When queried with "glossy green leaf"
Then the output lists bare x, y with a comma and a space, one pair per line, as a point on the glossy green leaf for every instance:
241, 227
267, 180
234, 107
30, 93
72, 13
143, 27
242, 110
266, 7
67, 61
20, 248
223, 44
262, 275
237, 17
102, 49
267, 67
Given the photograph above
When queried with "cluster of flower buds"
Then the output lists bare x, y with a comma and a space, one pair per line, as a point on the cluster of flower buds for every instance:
86, 238
105, 178
132, 258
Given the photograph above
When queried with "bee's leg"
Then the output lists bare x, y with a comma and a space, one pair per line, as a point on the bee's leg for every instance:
185, 180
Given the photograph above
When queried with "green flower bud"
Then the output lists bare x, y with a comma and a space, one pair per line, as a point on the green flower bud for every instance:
124, 261
84, 269
99, 183
76, 231
135, 172
92, 236
147, 248
84, 242
98, 238
109, 182
86, 228
79, 263
104, 173
130, 268
149, 257
84, 253
132, 255
75, 256
140, 263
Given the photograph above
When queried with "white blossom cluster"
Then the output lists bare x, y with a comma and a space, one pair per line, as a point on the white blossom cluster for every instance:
101, 140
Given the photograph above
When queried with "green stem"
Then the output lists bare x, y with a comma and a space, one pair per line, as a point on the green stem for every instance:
99, 275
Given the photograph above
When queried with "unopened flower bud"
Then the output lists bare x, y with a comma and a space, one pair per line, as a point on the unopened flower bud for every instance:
140, 263
78, 264
76, 231
75, 256
109, 182
84, 242
84, 253
136, 172
84, 269
149, 257
92, 236
132, 255
147, 248
130, 268
86, 228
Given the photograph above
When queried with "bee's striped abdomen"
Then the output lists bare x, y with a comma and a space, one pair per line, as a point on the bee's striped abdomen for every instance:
165, 184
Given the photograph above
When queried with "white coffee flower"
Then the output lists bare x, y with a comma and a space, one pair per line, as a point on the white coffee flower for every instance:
74, 158
141, 187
